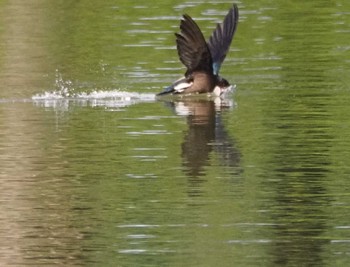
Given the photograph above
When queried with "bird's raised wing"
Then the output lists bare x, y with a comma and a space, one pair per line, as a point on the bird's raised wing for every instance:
221, 38
192, 48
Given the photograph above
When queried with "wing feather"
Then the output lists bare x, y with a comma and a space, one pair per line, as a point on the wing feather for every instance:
221, 38
192, 48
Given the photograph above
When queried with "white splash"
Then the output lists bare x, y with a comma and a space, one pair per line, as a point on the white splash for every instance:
110, 99
65, 94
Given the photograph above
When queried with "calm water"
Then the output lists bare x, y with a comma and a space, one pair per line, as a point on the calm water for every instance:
94, 171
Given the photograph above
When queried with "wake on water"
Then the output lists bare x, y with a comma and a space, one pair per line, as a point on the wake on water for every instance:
109, 99
114, 100
64, 95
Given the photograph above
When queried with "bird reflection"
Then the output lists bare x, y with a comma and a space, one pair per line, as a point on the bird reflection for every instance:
206, 133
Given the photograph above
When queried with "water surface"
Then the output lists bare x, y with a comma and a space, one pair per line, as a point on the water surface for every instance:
95, 171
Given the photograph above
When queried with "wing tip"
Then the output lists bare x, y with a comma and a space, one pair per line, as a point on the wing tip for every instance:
166, 91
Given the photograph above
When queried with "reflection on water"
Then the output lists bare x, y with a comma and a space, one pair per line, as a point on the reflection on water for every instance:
299, 185
303, 145
205, 134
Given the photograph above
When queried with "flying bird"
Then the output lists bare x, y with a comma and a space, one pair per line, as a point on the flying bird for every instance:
203, 59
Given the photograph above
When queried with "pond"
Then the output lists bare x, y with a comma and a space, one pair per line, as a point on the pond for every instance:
97, 171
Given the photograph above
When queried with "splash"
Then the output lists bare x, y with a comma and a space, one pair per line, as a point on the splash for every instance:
95, 95
109, 99
65, 95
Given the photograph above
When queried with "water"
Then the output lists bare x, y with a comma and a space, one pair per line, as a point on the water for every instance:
95, 171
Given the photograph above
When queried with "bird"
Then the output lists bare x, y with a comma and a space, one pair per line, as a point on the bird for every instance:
203, 59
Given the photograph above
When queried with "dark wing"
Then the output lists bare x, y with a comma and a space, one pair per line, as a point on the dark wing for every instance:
192, 48
221, 38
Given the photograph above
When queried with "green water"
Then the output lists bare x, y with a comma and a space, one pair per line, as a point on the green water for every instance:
94, 171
